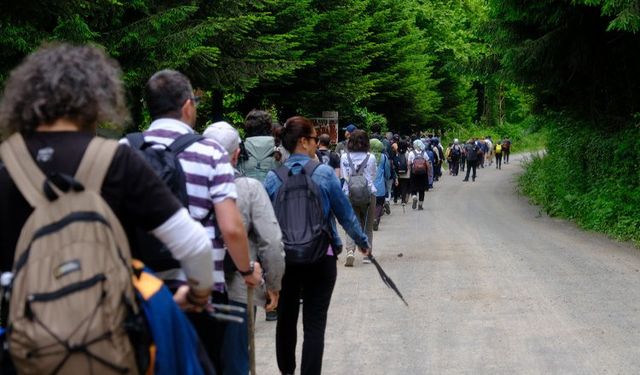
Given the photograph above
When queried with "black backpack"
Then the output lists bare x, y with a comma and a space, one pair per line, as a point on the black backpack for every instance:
298, 208
401, 163
164, 161
455, 152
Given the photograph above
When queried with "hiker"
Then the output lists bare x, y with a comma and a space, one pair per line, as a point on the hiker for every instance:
439, 158
506, 149
403, 173
343, 146
489, 150
313, 282
456, 156
431, 157
52, 104
265, 244
259, 145
419, 174
383, 174
326, 156
473, 155
211, 192
498, 153
358, 167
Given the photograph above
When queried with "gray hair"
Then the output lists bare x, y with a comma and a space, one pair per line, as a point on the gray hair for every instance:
80, 84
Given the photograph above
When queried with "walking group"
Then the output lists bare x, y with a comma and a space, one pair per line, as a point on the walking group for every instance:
148, 254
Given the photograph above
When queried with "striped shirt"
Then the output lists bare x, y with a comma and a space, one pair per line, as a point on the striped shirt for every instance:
209, 177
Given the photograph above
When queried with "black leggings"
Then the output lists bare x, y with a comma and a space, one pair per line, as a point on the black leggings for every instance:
404, 186
314, 283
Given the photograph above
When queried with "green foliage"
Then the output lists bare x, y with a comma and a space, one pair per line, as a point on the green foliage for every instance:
589, 175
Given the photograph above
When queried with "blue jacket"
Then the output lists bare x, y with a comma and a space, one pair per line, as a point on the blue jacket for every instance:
334, 201
382, 175
177, 347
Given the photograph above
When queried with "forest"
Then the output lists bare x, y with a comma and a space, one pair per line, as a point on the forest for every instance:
558, 75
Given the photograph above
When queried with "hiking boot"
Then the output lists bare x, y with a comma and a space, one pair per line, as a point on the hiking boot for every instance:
420, 207
415, 202
465, 180
272, 316
350, 258
387, 208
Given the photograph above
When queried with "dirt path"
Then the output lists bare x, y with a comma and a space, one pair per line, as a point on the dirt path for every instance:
494, 287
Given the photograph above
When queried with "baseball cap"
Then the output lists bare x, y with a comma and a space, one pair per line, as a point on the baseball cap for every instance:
225, 134
350, 128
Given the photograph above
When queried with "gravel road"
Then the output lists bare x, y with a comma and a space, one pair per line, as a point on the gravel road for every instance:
493, 286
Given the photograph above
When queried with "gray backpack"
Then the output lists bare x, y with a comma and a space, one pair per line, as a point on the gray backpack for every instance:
359, 191
259, 158
298, 208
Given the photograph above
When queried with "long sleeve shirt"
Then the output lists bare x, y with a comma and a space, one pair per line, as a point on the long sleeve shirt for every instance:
265, 239
358, 158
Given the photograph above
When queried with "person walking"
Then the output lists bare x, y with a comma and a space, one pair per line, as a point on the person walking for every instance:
472, 152
211, 193
265, 245
403, 173
456, 156
419, 174
506, 149
498, 153
76, 88
383, 174
259, 146
313, 282
357, 161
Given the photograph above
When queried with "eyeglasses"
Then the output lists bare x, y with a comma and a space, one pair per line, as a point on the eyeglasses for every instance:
316, 138
195, 99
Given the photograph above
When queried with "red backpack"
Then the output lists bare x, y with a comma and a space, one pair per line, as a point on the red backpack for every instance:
419, 166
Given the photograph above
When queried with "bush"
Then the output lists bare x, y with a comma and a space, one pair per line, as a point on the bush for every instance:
590, 175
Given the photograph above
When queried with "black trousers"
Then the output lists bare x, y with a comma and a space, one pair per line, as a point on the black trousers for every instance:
471, 164
211, 332
505, 155
314, 283
499, 161
455, 164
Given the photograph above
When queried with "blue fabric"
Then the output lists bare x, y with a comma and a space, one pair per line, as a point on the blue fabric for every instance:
382, 175
334, 201
177, 344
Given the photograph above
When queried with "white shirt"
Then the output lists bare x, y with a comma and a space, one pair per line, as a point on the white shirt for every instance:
369, 171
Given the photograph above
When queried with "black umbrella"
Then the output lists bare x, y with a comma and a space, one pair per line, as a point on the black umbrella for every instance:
386, 279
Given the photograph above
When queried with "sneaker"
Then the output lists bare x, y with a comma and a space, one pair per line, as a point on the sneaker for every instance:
387, 208
366, 260
415, 202
350, 258
376, 224
420, 208
272, 316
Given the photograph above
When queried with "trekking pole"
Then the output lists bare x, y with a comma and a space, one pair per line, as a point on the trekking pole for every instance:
251, 328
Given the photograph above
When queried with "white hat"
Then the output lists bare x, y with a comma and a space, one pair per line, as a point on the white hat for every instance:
223, 133
456, 141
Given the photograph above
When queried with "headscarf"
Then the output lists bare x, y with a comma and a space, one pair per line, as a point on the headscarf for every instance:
418, 145
376, 148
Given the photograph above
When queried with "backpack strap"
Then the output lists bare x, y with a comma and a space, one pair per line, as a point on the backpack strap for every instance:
282, 173
136, 140
310, 167
95, 162
23, 170
182, 142
362, 165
